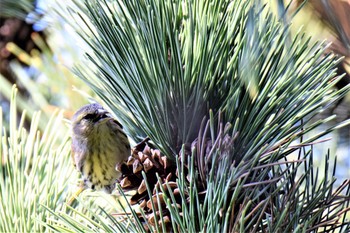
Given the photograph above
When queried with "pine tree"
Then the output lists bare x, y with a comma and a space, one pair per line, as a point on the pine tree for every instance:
225, 94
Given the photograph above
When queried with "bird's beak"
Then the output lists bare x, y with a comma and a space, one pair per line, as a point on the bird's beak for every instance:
104, 115
102, 112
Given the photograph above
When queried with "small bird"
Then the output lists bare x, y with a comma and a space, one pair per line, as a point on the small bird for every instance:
99, 145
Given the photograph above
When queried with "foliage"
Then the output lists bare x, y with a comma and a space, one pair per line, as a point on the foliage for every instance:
292, 198
34, 171
18, 9
161, 66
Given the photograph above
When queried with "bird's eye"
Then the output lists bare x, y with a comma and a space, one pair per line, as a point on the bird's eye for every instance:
89, 116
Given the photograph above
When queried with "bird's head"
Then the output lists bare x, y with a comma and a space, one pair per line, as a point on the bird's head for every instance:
88, 118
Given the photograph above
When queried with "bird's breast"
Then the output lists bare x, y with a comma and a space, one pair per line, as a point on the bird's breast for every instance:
106, 149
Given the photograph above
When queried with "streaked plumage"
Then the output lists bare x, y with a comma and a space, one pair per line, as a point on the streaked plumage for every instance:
99, 144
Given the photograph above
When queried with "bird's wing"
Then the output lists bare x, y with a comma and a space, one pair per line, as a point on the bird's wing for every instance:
118, 123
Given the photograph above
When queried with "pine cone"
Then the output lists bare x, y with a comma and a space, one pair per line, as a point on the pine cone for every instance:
146, 159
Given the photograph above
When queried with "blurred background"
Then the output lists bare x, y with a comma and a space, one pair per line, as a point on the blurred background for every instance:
329, 20
38, 52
